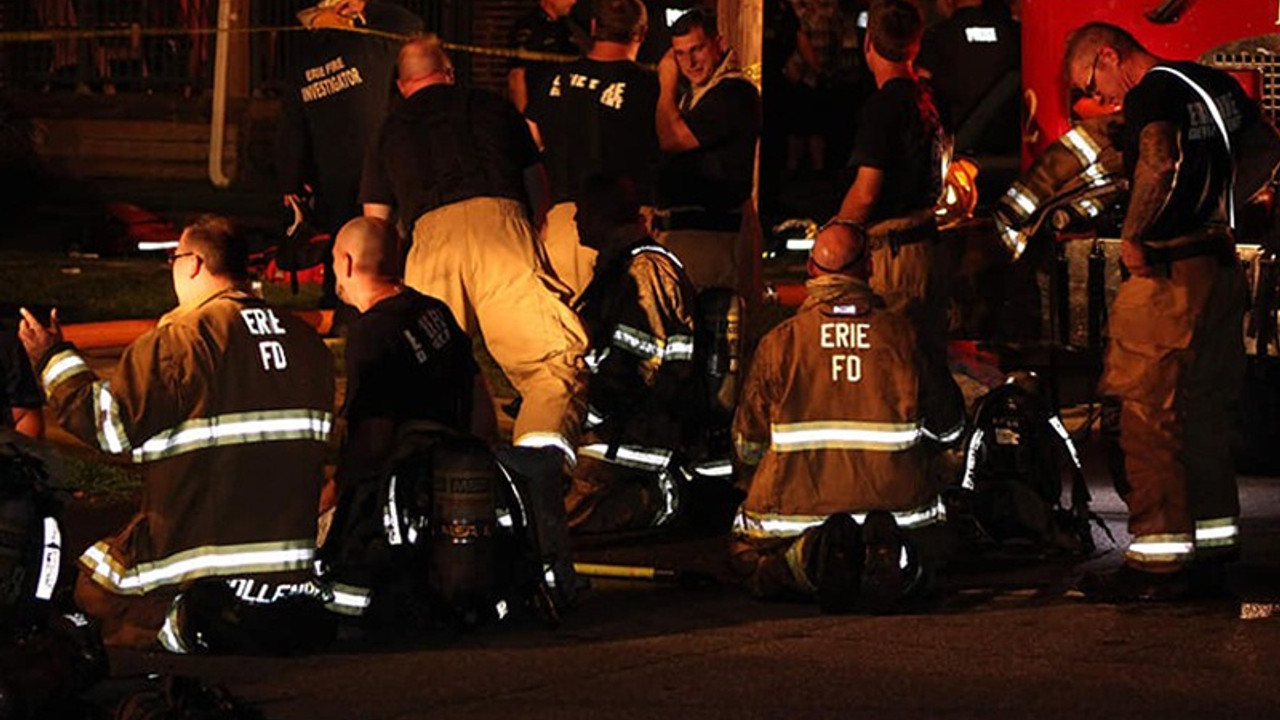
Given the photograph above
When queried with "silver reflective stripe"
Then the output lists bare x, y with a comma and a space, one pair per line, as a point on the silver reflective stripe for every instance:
1219, 532
659, 250
980, 35
714, 468
348, 599
236, 429
1061, 429
548, 439
50, 561
594, 419
648, 347
843, 435
971, 458
170, 636
111, 435
1222, 129
1023, 199
594, 358
206, 561
61, 367
633, 456
1161, 548
949, 436
1014, 240
391, 515
1082, 146
670, 498
767, 525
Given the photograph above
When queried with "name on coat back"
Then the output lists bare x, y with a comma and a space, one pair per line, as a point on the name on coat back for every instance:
845, 367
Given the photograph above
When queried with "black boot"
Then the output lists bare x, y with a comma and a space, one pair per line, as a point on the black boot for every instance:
834, 563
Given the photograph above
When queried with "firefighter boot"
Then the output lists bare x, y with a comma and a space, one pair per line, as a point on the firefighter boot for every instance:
884, 576
539, 480
835, 563
1131, 585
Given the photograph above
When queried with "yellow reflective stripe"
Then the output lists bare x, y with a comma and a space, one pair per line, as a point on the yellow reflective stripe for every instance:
236, 429
647, 347
795, 563
749, 451
1082, 146
204, 561
633, 456
714, 468
659, 250
548, 439
348, 599
1023, 201
170, 635
1161, 548
948, 436
61, 367
752, 524
1013, 239
1218, 532
679, 347
843, 435
106, 414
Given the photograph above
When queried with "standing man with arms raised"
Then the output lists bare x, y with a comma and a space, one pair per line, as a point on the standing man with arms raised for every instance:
596, 115
1175, 358
708, 136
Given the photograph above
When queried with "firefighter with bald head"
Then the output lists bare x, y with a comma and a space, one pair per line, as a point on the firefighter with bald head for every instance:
1175, 357
842, 416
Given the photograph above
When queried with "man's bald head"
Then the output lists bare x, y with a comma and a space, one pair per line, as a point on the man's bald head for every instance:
839, 249
373, 247
423, 61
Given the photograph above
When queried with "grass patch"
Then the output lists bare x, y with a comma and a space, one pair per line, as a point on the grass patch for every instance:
92, 289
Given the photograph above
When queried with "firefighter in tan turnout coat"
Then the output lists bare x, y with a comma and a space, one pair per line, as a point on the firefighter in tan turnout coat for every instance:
841, 414
226, 406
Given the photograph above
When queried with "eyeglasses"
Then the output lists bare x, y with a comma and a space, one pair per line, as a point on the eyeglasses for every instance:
172, 257
1090, 88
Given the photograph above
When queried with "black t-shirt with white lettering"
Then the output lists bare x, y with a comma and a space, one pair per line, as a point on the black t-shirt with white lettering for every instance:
1199, 191
406, 359
597, 117
539, 32
445, 144
900, 135
340, 85
717, 175
967, 55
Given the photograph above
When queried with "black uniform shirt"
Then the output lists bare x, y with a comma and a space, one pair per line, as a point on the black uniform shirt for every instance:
445, 144
406, 359
18, 388
967, 54
899, 134
597, 117
339, 89
539, 32
717, 175
1199, 191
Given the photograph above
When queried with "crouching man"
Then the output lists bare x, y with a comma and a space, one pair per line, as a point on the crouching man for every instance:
226, 405
643, 393
841, 413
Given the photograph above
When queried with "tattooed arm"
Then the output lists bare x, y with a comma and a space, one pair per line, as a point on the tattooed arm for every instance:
1153, 179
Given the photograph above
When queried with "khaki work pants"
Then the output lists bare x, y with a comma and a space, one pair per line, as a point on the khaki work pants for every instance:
480, 257
571, 262
1176, 362
714, 258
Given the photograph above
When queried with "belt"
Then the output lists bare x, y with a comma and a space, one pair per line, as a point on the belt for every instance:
698, 219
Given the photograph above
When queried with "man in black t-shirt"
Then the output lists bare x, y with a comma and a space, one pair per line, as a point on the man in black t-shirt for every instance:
548, 28
596, 115
708, 134
971, 57
459, 167
339, 88
1175, 357
899, 153
21, 402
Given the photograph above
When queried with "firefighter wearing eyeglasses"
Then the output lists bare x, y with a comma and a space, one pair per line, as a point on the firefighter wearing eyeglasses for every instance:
1175, 360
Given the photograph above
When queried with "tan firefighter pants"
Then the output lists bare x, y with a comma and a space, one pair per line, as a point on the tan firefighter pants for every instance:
714, 258
571, 262
480, 257
1176, 361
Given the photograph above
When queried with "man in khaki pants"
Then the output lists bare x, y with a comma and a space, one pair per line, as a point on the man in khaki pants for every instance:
462, 170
